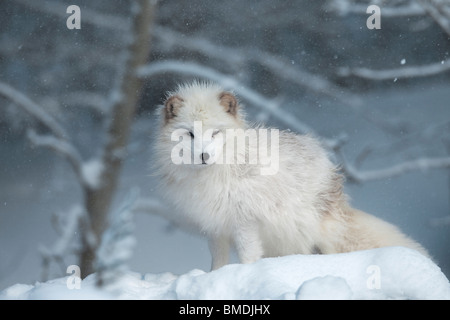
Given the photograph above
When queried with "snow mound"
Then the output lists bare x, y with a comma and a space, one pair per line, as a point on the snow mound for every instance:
387, 273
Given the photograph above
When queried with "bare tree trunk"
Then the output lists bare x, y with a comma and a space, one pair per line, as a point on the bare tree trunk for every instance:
98, 198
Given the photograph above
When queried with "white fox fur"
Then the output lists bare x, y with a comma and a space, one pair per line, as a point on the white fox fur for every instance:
301, 209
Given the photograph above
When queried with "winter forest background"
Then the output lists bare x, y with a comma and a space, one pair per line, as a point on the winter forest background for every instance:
379, 98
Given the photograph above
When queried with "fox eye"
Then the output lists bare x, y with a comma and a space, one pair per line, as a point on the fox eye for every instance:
215, 132
191, 134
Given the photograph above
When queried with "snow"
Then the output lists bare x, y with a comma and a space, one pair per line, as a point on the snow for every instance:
386, 273
324, 288
91, 172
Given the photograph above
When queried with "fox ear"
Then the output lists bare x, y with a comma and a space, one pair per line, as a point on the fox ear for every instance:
171, 106
229, 102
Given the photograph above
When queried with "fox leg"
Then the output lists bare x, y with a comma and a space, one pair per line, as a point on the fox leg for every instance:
248, 244
219, 246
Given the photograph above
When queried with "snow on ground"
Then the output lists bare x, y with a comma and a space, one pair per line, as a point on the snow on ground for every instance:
387, 273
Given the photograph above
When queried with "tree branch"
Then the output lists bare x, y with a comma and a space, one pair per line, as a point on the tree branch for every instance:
398, 73
93, 100
422, 164
61, 146
228, 82
64, 244
33, 109
57, 141
439, 11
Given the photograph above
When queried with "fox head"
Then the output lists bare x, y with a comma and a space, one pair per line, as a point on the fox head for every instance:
197, 116
203, 124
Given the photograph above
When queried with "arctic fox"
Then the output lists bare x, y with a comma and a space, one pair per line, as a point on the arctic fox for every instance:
261, 191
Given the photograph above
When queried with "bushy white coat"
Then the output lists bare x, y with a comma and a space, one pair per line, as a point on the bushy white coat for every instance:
299, 209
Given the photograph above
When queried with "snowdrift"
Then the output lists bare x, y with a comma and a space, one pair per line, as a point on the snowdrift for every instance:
387, 273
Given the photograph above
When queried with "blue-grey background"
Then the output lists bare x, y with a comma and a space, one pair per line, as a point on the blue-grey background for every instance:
71, 74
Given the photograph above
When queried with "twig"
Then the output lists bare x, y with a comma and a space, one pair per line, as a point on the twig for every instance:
422, 164
64, 244
117, 242
93, 100
32, 108
61, 146
398, 73
439, 11
228, 82
57, 141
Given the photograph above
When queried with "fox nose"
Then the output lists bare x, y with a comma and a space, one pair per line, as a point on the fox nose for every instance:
205, 157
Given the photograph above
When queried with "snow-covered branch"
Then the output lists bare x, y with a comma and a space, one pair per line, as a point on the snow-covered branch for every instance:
117, 242
60, 146
416, 137
305, 79
397, 73
32, 108
87, 172
93, 100
67, 227
439, 10
58, 139
422, 164
356, 175
228, 82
